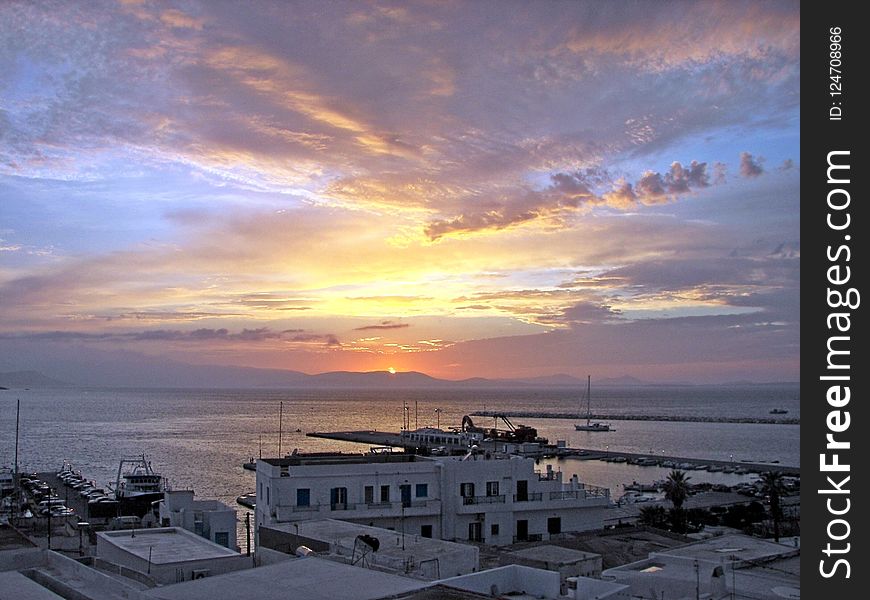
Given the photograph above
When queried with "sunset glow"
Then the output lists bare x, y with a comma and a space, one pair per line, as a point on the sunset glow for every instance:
495, 189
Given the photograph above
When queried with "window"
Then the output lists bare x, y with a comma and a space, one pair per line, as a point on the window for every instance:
369, 494
426, 531
303, 497
493, 529
222, 538
338, 498
422, 490
385, 493
554, 525
466, 490
492, 488
267, 495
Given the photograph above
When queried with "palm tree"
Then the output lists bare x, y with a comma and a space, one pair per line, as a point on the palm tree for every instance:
677, 490
772, 484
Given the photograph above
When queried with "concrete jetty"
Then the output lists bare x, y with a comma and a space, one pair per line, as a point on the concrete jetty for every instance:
674, 418
385, 438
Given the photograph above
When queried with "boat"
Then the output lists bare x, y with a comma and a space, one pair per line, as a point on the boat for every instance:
778, 411
590, 425
249, 500
137, 487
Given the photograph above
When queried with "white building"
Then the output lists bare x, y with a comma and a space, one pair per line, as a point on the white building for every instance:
168, 554
409, 555
211, 519
476, 498
521, 582
727, 567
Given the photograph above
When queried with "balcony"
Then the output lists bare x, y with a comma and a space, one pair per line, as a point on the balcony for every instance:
304, 508
483, 500
588, 491
532, 537
533, 497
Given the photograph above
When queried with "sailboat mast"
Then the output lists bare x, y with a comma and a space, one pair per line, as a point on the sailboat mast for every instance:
588, 398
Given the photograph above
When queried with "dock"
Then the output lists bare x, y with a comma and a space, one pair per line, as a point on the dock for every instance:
531, 414
375, 438
385, 438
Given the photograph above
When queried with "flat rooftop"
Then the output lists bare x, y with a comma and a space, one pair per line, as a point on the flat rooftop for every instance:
732, 547
340, 458
343, 535
555, 555
15, 586
310, 578
165, 545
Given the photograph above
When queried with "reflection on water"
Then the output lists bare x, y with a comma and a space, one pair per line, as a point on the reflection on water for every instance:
200, 438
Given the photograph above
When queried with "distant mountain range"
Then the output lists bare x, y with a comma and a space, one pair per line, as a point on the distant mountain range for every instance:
28, 379
179, 375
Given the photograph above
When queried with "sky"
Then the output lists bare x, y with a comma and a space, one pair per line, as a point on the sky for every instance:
487, 188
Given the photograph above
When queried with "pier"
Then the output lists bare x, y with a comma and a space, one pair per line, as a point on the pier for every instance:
385, 438
530, 414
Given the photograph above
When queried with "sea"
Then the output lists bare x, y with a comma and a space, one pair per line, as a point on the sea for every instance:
200, 438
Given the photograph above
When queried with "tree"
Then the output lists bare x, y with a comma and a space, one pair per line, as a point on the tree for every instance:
772, 484
677, 490
654, 516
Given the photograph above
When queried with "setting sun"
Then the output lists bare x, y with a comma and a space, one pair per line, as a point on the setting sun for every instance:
392, 370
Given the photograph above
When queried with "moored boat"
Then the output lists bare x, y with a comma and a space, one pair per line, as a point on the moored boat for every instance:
138, 487
590, 425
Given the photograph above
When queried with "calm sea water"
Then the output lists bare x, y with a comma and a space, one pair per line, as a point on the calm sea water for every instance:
200, 438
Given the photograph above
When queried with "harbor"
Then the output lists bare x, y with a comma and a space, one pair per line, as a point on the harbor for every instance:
395, 440
531, 414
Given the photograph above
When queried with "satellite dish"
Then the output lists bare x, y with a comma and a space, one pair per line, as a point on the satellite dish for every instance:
370, 541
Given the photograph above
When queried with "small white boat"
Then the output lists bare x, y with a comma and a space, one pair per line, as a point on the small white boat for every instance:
590, 425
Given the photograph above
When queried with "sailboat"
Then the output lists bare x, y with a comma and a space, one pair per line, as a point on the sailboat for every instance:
590, 426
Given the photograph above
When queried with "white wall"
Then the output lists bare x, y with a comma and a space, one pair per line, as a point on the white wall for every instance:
166, 573
512, 578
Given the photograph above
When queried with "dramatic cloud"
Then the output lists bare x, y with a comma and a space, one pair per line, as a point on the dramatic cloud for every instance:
571, 192
262, 184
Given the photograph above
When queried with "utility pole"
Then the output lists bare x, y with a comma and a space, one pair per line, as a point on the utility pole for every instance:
280, 428
16, 492
248, 533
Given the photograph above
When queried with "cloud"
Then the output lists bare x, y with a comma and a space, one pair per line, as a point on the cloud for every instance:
383, 325
202, 335
706, 33
569, 193
749, 166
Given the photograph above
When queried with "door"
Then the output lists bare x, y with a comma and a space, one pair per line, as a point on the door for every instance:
522, 530
475, 531
406, 495
522, 490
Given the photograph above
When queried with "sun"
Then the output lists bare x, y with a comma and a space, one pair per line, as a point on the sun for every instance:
392, 370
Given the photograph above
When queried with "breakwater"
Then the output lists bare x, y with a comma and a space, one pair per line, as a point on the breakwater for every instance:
530, 414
